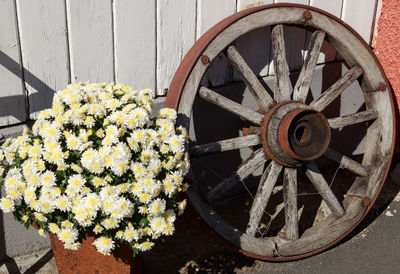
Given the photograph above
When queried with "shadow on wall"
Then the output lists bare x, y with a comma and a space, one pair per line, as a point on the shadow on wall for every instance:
46, 93
21, 113
4, 259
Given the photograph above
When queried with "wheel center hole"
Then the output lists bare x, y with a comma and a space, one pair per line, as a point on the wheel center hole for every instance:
302, 134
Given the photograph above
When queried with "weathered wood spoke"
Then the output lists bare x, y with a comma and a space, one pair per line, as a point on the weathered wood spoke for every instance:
282, 81
264, 100
264, 191
256, 159
303, 83
319, 182
346, 162
352, 119
290, 200
337, 88
224, 145
231, 106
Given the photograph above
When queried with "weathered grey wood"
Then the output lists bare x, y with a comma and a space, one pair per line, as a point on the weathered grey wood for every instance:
135, 43
352, 119
324, 190
175, 35
44, 49
256, 159
13, 103
326, 232
231, 106
378, 144
346, 162
290, 200
273, 127
303, 83
359, 14
264, 100
224, 145
264, 191
282, 81
337, 88
230, 234
91, 49
207, 16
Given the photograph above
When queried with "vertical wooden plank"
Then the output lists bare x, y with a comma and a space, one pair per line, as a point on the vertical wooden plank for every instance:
91, 40
209, 13
295, 43
254, 46
245, 4
12, 95
44, 50
359, 14
176, 34
378, 13
135, 42
328, 53
334, 6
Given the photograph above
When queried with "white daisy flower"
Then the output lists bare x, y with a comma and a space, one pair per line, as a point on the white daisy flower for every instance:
48, 179
145, 246
6, 205
68, 235
63, 203
104, 245
157, 207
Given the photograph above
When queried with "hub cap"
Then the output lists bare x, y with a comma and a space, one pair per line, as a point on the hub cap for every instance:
292, 133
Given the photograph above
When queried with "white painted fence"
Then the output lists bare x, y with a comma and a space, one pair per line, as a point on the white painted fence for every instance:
46, 44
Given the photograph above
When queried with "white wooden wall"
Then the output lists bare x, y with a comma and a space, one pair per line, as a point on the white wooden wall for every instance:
46, 44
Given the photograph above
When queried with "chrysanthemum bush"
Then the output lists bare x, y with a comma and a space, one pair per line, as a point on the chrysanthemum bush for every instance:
97, 162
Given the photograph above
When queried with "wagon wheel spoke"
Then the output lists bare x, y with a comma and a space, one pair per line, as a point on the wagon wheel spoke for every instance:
290, 200
264, 100
352, 119
256, 159
303, 83
264, 191
225, 145
231, 106
346, 162
337, 88
324, 189
282, 81
293, 132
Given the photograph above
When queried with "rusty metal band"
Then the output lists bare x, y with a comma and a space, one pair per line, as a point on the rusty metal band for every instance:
179, 80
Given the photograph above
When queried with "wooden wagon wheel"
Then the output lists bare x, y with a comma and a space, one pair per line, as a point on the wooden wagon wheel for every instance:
291, 131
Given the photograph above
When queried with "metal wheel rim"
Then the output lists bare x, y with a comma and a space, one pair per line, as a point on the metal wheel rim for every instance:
182, 79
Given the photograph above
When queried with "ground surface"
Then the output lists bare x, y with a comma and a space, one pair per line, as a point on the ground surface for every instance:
373, 247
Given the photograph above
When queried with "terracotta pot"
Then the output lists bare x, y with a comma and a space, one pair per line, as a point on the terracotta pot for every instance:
87, 260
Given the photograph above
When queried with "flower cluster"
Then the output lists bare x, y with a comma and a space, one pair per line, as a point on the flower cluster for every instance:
97, 162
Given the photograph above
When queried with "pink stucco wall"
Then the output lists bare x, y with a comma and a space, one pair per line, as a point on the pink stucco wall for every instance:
387, 47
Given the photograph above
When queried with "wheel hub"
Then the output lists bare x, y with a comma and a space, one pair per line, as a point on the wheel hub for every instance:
293, 133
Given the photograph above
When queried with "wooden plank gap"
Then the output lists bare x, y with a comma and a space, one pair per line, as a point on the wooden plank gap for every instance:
67, 41
69, 35
155, 50
113, 30
21, 60
374, 27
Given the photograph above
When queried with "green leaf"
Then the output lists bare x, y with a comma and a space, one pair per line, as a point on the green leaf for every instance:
27, 225
144, 222
116, 252
135, 251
